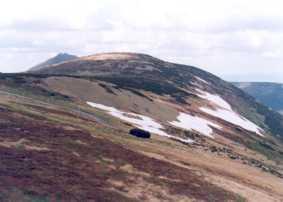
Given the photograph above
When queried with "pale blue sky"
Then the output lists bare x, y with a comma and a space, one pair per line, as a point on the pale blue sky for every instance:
235, 39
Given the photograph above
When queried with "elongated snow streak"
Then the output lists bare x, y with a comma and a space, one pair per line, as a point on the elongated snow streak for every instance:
138, 120
189, 122
201, 80
215, 99
225, 112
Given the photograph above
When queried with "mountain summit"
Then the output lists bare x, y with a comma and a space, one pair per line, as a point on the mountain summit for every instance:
61, 57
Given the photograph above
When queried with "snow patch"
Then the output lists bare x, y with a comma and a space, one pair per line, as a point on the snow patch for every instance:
189, 122
225, 112
201, 80
215, 99
233, 118
140, 121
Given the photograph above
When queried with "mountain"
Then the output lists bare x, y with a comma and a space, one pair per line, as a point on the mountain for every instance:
61, 57
64, 133
270, 94
144, 72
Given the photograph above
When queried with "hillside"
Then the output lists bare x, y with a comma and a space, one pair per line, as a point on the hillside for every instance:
270, 94
61, 57
65, 134
143, 72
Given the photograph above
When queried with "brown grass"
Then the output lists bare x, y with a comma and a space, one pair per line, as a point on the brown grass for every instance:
85, 172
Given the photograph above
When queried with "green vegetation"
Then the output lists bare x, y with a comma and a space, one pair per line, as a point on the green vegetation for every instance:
241, 199
157, 86
270, 94
15, 194
273, 120
267, 150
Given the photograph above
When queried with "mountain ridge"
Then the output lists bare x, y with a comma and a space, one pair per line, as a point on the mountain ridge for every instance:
268, 93
126, 69
65, 131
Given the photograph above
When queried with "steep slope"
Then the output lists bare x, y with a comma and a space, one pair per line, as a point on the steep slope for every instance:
64, 134
61, 57
270, 94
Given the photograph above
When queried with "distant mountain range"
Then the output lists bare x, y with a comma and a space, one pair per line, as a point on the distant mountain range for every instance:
270, 94
61, 57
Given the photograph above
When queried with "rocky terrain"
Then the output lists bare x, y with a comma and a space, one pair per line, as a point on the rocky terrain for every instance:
64, 133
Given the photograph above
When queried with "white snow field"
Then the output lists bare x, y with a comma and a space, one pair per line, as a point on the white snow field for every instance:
138, 120
189, 122
225, 112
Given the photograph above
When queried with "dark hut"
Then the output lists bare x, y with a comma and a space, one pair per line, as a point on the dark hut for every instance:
139, 133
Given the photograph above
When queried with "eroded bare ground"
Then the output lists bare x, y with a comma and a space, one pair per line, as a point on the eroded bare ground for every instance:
76, 166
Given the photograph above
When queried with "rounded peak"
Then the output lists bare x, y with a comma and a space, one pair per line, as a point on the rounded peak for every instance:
117, 56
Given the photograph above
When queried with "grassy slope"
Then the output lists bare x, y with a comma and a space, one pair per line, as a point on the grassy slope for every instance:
49, 153
96, 155
63, 89
168, 78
